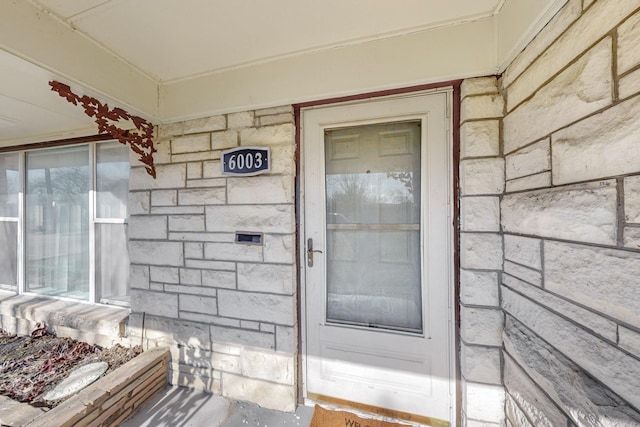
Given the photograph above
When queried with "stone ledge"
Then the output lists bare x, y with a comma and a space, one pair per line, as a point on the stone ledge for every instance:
20, 313
115, 397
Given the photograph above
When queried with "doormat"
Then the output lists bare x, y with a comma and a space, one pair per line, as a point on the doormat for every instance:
326, 418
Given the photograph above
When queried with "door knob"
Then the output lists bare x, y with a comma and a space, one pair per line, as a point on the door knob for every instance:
310, 252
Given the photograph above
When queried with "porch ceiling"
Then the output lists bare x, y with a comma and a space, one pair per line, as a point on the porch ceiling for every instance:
126, 52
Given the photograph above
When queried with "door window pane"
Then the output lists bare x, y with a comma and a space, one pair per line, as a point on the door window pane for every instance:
57, 222
112, 264
373, 226
112, 180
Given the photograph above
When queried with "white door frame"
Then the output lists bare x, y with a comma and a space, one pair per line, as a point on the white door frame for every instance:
302, 243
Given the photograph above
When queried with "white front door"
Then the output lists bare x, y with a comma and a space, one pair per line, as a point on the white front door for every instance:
378, 255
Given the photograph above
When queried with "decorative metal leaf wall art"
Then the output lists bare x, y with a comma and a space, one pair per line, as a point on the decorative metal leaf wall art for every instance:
140, 140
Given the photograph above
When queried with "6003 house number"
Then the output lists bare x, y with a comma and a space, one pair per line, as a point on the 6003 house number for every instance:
246, 161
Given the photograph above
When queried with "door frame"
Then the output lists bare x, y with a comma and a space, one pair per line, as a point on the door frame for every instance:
454, 86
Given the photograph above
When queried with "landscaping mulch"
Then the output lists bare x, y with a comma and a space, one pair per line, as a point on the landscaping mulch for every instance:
31, 366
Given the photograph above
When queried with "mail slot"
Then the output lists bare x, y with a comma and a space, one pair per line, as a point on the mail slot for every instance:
249, 238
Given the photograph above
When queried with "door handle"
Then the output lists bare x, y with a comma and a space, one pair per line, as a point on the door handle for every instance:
310, 252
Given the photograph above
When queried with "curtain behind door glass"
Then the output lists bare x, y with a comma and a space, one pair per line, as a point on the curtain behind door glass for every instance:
373, 226
57, 222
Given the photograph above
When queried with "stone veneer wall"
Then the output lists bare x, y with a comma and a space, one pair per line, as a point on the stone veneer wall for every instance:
481, 186
226, 310
571, 220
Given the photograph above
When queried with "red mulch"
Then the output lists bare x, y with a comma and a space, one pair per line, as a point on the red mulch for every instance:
31, 366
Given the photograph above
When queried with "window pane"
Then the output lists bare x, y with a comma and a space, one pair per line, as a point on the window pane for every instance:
112, 264
112, 180
57, 222
373, 226
9, 185
8, 255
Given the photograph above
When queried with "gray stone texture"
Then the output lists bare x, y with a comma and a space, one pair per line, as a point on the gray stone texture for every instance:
585, 212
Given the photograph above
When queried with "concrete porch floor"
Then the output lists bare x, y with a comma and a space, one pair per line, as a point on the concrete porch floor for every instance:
182, 407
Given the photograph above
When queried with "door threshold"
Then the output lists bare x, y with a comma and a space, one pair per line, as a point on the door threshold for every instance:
377, 411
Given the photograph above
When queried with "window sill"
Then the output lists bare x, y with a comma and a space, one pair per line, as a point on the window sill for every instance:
92, 323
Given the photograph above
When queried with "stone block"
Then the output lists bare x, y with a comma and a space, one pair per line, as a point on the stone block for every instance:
628, 41
484, 402
481, 107
262, 189
178, 210
481, 326
481, 251
139, 276
603, 279
480, 139
268, 308
521, 272
592, 26
523, 250
271, 278
170, 332
212, 169
155, 303
275, 119
138, 203
598, 324
202, 196
243, 119
286, 339
147, 227
191, 290
586, 401
279, 248
581, 89
629, 84
247, 324
599, 146
219, 279
233, 252
194, 170
265, 218
206, 183
226, 362
480, 213
194, 250
515, 416
482, 176
156, 253
632, 199
274, 110
190, 276
191, 143
479, 288
197, 304
230, 335
268, 365
481, 364
211, 265
283, 160
529, 160
563, 19
631, 238
269, 395
224, 140
206, 124
531, 182
541, 410
186, 223
268, 135
584, 212
165, 274
196, 157
612, 367
629, 339
164, 198
167, 176
478, 86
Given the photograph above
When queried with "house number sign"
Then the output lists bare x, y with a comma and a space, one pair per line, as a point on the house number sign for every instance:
246, 161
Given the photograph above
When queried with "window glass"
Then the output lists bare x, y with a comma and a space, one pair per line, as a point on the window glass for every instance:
9, 185
9, 255
57, 222
112, 264
112, 180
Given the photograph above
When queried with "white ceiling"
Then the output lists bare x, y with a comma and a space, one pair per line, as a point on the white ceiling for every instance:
168, 41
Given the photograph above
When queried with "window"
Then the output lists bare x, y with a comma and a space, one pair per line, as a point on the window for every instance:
63, 222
